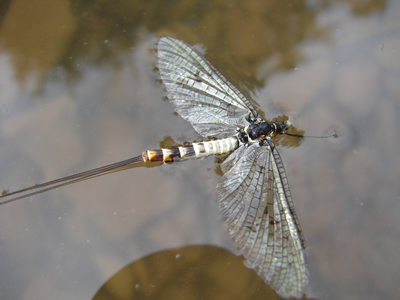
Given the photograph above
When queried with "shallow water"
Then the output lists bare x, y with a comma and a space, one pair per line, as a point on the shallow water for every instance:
78, 90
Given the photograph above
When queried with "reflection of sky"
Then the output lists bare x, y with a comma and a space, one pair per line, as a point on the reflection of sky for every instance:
75, 95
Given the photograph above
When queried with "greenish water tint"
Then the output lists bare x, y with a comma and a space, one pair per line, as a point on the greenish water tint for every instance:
78, 90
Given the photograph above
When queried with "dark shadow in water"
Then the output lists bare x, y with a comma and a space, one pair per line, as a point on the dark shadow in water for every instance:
191, 272
4, 5
102, 33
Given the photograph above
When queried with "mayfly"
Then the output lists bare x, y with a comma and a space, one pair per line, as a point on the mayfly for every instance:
253, 193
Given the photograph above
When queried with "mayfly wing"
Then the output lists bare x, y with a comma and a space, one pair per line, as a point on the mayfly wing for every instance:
201, 95
255, 201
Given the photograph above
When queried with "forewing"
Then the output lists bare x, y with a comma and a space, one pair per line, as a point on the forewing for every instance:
255, 201
202, 96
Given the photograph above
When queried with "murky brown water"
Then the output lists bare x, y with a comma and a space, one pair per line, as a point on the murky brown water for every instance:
78, 91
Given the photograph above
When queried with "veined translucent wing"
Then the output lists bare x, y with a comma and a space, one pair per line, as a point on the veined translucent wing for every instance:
202, 96
255, 201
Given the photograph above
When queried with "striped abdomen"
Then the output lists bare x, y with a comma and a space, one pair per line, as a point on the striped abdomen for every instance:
195, 150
